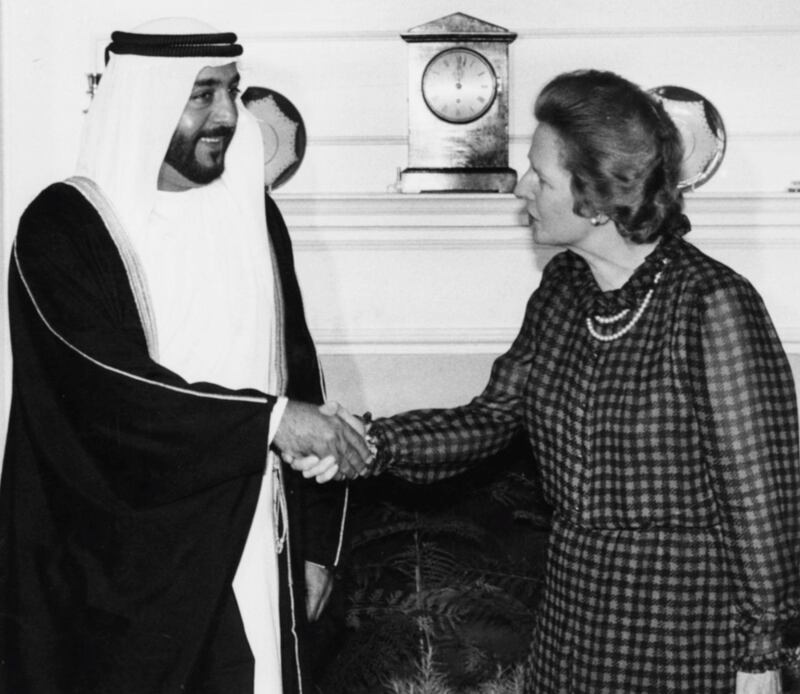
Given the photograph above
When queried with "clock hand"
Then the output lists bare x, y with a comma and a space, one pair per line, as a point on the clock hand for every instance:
460, 60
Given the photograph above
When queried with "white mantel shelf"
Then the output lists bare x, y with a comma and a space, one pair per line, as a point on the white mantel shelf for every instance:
476, 209
468, 219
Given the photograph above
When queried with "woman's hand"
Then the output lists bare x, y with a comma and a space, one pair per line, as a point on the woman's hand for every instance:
758, 682
334, 408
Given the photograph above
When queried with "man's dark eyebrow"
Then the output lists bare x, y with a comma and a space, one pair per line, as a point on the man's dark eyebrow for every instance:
214, 82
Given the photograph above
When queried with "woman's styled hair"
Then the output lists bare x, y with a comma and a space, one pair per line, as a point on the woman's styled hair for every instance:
621, 148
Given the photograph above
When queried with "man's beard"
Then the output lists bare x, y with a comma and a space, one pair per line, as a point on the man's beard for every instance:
181, 156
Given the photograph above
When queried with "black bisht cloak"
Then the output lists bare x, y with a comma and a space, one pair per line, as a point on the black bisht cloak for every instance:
127, 493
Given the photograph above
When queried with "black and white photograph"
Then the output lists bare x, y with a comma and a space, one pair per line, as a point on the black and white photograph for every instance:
378, 347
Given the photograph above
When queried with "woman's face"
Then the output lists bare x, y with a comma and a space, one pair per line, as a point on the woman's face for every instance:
546, 188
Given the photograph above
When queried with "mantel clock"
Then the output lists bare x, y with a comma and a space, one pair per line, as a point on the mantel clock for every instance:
458, 107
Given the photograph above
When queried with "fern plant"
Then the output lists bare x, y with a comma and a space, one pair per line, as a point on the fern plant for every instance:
441, 585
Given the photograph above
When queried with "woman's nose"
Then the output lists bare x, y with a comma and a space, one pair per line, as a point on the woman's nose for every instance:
525, 185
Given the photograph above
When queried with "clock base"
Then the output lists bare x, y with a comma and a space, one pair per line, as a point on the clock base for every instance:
423, 180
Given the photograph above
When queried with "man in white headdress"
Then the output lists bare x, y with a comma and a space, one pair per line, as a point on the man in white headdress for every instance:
150, 541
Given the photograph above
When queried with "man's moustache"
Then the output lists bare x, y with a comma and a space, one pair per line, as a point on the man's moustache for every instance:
217, 132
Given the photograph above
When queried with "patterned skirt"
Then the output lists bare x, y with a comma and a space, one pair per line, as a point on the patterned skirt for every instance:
628, 611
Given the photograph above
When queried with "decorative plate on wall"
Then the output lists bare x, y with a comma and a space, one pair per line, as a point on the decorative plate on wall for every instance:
282, 131
701, 129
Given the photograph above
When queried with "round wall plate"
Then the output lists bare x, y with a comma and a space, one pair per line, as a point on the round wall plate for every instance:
701, 129
282, 131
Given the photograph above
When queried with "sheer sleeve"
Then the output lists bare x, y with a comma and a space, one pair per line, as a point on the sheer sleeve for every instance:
423, 446
748, 402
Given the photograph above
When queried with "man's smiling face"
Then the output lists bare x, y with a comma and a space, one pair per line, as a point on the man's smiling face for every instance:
196, 153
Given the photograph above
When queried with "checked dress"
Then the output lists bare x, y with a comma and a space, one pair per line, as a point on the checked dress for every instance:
670, 457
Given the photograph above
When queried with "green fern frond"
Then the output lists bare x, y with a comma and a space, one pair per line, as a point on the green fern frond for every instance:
439, 605
492, 605
426, 525
426, 680
506, 681
449, 573
434, 563
459, 528
383, 531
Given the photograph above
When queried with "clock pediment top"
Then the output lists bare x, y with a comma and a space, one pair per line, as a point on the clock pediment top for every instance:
458, 25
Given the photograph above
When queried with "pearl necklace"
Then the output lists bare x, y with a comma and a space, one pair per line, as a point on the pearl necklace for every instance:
610, 320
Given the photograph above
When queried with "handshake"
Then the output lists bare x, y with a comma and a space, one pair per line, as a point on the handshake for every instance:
325, 442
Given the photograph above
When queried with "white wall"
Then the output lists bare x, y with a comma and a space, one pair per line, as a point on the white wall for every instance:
344, 66
411, 297
390, 281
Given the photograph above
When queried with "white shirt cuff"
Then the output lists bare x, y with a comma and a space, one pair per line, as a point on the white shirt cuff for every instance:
275, 418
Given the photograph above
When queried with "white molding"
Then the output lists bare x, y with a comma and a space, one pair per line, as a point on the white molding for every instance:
366, 205
386, 215
537, 33
762, 135
613, 33
417, 340
777, 213
455, 221
358, 141
731, 135
608, 33
390, 140
492, 340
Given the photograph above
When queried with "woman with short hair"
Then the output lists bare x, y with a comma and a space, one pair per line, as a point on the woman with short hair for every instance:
661, 411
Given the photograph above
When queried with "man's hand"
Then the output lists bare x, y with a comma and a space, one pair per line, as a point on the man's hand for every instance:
306, 430
319, 584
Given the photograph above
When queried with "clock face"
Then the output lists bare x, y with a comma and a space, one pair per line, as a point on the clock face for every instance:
459, 85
